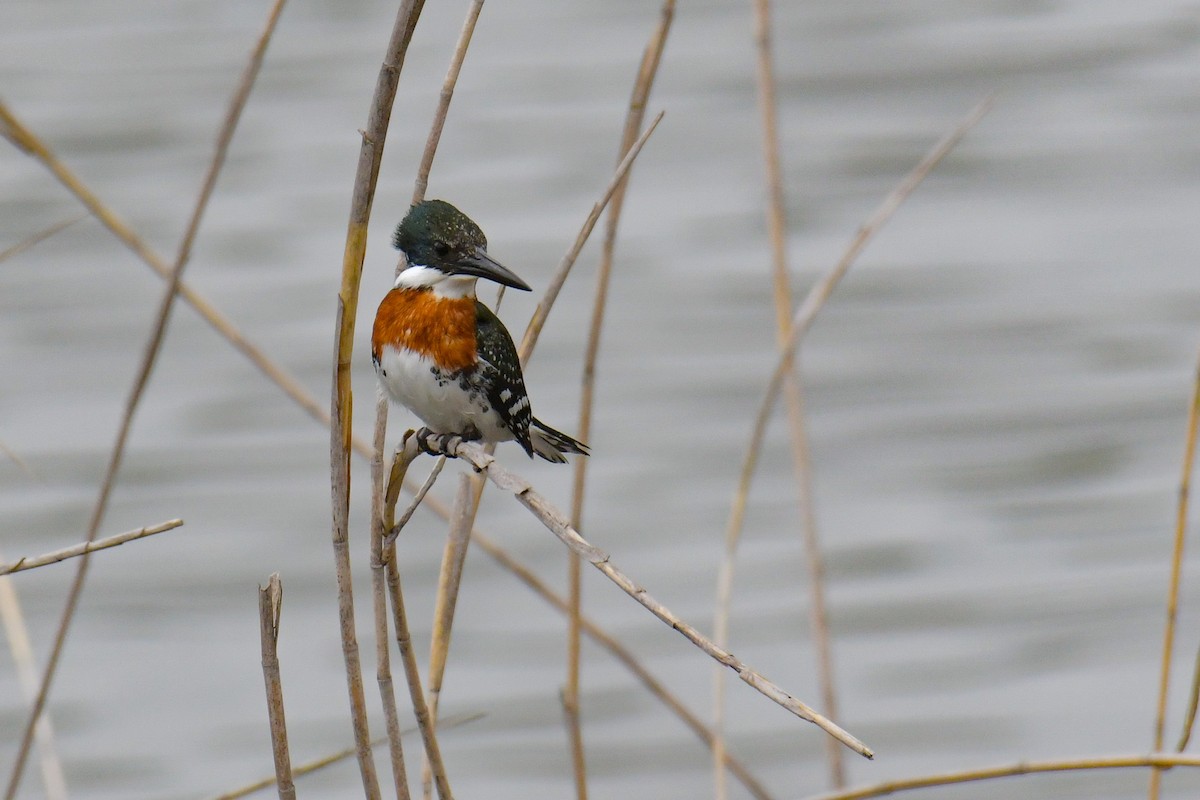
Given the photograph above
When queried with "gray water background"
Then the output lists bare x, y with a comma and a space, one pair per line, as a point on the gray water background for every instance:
997, 391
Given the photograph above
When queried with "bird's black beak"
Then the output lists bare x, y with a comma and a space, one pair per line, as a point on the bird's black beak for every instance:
481, 265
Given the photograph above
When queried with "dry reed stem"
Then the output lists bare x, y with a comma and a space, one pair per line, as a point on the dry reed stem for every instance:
16, 459
37, 238
22, 564
270, 603
413, 504
1193, 700
443, 107
153, 348
534, 329
802, 320
362, 196
794, 403
456, 545
1181, 516
316, 764
560, 526
426, 721
17, 633
794, 388
383, 661
647, 71
381, 409
454, 555
1156, 760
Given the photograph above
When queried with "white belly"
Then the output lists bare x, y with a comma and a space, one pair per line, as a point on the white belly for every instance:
441, 401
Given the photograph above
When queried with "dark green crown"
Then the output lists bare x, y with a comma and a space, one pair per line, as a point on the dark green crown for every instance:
435, 233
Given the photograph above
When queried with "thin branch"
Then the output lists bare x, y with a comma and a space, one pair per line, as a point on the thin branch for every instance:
1181, 517
797, 429
542, 312
153, 347
806, 313
647, 71
1156, 760
39, 237
270, 603
22, 564
17, 633
426, 717
16, 459
558, 524
443, 108
383, 661
363, 194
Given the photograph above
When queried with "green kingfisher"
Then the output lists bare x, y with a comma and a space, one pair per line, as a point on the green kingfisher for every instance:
443, 354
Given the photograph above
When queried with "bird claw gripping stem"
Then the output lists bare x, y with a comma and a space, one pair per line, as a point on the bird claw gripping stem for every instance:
437, 444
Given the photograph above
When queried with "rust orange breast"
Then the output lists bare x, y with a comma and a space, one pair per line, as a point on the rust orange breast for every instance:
415, 319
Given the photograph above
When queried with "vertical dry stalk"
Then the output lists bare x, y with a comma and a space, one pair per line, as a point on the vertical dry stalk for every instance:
15, 630
383, 661
806, 313
1164, 678
37, 238
270, 603
378, 527
426, 721
366, 176
150, 356
456, 546
647, 70
439, 118
801, 462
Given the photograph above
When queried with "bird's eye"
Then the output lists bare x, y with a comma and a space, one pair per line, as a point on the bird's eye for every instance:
441, 248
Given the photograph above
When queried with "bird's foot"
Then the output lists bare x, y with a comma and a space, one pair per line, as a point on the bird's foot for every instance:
438, 444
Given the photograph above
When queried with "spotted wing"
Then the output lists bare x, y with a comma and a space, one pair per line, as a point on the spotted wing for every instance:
500, 373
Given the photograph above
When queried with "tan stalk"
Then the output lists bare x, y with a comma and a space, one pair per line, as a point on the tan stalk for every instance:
383, 660
54, 781
39, 237
794, 402
426, 721
1181, 515
1156, 760
806, 313
84, 548
362, 196
647, 70
270, 604
153, 347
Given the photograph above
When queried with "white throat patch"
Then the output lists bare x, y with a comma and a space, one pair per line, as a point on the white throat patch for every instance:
452, 287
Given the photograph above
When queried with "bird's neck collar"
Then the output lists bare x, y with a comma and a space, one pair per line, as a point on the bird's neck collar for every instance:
449, 287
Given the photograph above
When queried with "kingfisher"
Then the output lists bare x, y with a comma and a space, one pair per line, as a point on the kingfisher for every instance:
444, 355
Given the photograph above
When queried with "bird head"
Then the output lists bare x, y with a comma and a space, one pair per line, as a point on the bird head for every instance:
436, 235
